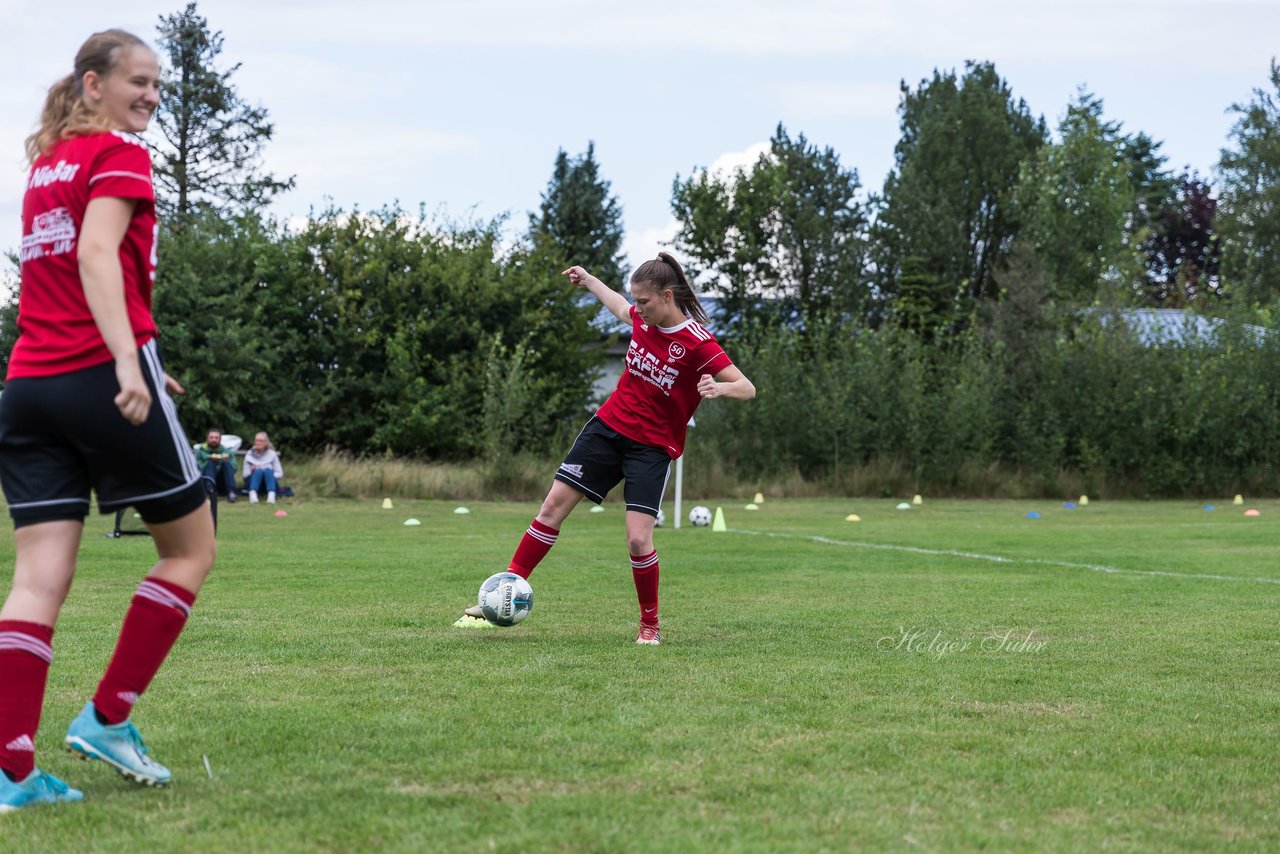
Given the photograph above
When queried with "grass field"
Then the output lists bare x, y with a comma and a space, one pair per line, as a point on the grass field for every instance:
955, 676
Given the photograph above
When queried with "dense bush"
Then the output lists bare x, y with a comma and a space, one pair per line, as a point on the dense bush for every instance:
1079, 403
385, 335
374, 333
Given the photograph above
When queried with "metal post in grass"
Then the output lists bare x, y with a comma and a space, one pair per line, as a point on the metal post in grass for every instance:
680, 484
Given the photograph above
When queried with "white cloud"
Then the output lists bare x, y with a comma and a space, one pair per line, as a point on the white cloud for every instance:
639, 245
727, 164
351, 163
351, 87
579, 31
644, 244
835, 99
572, 27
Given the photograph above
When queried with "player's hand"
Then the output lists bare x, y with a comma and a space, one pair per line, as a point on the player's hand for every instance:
173, 386
708, 387
577, 276
134, 399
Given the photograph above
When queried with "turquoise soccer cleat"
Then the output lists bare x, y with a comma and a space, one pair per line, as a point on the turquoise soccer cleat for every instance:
37, 788
118, 745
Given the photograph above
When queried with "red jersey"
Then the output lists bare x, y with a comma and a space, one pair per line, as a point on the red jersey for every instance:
658, 391
56, 332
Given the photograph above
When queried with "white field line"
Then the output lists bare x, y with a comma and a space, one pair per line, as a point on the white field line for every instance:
1092, 567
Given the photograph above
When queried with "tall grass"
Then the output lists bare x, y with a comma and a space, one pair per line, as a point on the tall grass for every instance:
336, 474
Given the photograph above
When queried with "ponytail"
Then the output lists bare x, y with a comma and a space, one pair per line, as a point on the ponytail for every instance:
65, 112
665, 273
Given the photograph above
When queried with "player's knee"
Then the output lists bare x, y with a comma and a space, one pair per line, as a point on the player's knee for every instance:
639, 544
202, 554
47, 590
188, 567
208, 554
554, 510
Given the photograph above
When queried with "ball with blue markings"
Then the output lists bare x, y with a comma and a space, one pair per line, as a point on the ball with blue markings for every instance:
505, 599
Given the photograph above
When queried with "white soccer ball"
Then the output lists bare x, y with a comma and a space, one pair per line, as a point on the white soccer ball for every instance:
700, 517
660, 520
505, 599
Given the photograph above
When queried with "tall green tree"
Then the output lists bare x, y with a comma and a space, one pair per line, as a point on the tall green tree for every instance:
208, 140
788, 234
385, 328
580, 219
1155, 188
947, 201
1249, 215
1076, 200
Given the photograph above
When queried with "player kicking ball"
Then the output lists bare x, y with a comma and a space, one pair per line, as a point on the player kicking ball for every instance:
86, 408
673, 363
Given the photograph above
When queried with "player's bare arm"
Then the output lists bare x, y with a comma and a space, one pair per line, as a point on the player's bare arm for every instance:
611, 299
105, 221
730, 382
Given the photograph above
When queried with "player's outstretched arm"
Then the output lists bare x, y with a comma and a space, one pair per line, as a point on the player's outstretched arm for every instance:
730, 382
610, 298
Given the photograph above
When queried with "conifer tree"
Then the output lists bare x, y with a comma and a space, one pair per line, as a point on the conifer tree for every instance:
208, 139
579, 218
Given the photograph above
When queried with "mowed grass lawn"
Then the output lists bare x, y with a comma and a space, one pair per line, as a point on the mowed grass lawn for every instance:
955, 676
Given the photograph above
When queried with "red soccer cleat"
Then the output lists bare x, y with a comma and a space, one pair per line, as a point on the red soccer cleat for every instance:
649, 635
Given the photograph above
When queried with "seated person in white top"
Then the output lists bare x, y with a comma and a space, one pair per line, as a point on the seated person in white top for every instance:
262, 469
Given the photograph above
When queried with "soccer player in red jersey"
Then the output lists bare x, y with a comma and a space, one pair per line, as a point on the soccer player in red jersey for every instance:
86, 407
673, 363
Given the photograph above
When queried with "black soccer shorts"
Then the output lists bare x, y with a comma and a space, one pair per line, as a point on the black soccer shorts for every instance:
62, 436
601, 456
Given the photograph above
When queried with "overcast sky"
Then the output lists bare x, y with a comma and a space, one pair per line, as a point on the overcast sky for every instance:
462, 105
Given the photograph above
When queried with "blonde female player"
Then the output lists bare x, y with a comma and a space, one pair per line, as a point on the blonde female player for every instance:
86, 407
673, 363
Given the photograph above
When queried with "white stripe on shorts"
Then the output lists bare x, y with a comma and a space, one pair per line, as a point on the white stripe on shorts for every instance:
51, 502
151, 354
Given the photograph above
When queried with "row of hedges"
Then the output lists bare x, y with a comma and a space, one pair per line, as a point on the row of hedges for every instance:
1087, 404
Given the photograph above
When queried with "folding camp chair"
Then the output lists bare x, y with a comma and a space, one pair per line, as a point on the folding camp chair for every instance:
231, 444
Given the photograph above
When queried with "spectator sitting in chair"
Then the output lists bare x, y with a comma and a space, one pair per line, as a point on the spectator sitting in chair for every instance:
262, 469
216, 465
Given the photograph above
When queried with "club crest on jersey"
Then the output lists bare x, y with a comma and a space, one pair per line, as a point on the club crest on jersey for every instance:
677, 350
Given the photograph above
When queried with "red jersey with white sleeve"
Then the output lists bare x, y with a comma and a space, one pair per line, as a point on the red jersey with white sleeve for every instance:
658, 391
56, 332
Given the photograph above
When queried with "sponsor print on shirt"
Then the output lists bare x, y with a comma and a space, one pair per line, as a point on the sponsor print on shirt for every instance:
648, 367
43, 176
52, 233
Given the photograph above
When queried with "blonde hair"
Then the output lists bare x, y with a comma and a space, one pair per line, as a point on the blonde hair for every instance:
264, 435
65, 112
